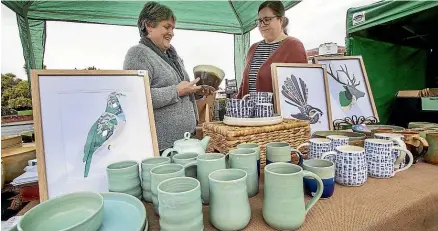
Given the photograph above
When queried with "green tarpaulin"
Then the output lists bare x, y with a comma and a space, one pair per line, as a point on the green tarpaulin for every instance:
395, 39
233, 17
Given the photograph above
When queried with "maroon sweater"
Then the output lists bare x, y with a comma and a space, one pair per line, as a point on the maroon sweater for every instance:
291, 50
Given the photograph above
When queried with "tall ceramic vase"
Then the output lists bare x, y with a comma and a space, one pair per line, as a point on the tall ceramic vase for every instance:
180, 205
229, 203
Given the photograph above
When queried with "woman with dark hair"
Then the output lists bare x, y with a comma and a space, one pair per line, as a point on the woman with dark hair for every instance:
173, 98
277, 47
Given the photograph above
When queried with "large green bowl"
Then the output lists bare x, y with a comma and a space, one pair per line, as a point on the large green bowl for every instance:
79, 211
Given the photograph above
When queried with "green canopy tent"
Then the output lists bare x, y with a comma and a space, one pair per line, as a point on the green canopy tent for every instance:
233, 17
398, 41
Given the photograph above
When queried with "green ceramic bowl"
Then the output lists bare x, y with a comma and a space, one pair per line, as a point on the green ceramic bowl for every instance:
373, 129
79, 211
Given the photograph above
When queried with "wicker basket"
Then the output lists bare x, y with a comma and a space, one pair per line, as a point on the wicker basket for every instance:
225, 138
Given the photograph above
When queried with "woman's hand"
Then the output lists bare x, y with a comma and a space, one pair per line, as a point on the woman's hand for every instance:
186, 88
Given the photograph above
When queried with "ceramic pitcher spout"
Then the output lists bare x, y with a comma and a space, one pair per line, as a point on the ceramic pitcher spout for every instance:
204, 142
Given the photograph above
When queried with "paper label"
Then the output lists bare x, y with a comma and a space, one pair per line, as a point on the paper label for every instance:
429, 103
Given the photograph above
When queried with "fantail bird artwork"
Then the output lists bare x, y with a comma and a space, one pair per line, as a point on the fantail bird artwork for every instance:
298, 97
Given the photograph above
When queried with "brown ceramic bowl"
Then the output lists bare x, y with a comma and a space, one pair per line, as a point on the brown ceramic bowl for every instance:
380, 129
209, 75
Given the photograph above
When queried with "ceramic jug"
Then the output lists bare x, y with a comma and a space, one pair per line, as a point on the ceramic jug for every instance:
229, 203
180, 205
246, 159
284, 207
146, 166
188, 145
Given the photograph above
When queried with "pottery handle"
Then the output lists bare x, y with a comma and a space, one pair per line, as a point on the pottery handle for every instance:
190, 165
168, 152
300, 156
411, 159
424, 144
319, 189
326, 154
227, 161
243, 99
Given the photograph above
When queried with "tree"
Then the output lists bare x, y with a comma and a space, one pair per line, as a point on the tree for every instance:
15, 92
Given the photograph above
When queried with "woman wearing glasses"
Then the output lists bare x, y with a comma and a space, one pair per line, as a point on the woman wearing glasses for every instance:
277, 47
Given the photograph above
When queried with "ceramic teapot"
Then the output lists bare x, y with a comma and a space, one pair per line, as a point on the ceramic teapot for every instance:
187, 145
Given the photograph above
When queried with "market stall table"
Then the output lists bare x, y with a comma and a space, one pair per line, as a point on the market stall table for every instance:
408, 201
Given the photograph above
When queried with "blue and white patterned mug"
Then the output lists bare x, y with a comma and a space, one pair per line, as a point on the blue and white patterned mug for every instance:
337, 140
261, 97
317, 146
380, 158
398, 141
351, 165
325, 169
263, 110
240, 108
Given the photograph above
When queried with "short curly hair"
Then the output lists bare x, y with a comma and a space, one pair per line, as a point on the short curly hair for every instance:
152, 14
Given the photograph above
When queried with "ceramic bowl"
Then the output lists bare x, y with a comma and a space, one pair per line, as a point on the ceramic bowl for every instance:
209, 75
380, 129
79, 211
355, 138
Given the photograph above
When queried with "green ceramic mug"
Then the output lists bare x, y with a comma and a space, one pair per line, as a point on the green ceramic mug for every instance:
229, 203
255, 147
283, 202
180, 204
124, 177
246, 159
161, 173
188, 160
146, 166
207, 164
281, 152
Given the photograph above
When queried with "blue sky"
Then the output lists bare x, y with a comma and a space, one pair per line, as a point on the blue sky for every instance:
71, 45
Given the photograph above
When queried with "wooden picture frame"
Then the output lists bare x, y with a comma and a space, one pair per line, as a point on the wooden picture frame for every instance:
319, 112
67, 126
346, 104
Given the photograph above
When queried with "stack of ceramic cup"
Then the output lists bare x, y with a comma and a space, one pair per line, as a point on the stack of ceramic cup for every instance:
255, 104
263, 104
240, 108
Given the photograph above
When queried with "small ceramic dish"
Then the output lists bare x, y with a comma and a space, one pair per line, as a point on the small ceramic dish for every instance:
79, 211
123, 212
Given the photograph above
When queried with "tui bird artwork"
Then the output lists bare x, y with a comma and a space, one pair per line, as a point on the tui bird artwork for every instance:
105, 130
298, 98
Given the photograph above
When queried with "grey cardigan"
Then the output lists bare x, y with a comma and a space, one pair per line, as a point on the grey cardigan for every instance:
173, 115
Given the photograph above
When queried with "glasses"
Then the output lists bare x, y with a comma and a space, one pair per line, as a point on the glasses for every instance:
266, 20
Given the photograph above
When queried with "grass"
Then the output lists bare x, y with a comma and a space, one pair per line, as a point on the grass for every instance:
25, 112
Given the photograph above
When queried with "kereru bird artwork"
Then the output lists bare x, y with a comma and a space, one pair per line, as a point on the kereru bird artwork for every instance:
298, 98
105, 130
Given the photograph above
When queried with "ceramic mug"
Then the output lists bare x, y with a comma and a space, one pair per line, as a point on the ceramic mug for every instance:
188, 160
146, 166
263, 110
281, 152
283, 203
317, 146
398, 140
240, 108
124, 177
432, 153
261, 97
207, 164
415, 143
180, 204
335, 141
161, 173
380, 158
246, 159
325, 169
351, 165
255, 147
229, 203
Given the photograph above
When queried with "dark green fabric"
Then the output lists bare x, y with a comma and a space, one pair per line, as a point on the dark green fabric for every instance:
390, 68
385, 11
234, 17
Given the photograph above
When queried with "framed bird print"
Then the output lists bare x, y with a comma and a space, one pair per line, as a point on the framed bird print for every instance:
301, 92
350, 92
86, 119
